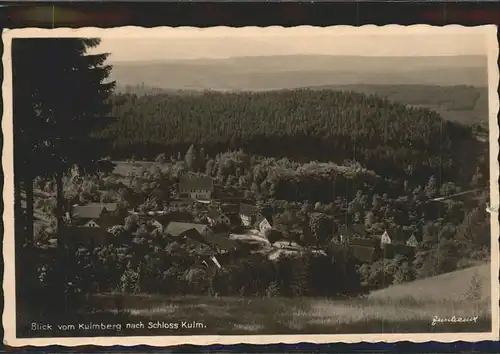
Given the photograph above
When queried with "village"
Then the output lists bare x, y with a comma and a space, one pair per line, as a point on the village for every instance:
229, 227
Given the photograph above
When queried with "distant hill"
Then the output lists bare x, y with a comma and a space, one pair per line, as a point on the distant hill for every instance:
290, 71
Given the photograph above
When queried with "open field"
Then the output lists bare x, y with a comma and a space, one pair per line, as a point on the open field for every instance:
446, 287
405, 308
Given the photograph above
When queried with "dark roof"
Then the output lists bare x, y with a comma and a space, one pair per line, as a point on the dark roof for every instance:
362, 253
178, 228
221, 241
363, 242
246, 209
391, 250
111, 207
90, 211
196, 182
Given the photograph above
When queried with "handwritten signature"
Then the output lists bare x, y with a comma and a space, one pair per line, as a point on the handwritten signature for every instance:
454, 319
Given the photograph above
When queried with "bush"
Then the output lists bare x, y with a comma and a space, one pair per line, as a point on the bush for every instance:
405, 273
273, 290
129, 282
474, 292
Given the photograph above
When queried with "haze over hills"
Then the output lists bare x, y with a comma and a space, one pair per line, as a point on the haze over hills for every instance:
291, 71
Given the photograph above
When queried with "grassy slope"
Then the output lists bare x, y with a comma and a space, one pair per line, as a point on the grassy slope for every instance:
442, 287
404, 308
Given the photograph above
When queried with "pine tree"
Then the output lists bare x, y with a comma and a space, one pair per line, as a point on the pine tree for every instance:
69, 103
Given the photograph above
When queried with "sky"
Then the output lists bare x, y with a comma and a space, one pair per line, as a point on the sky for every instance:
219, 42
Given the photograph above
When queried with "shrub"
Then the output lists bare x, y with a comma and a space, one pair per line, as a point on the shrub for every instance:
474, 292
273, 290
129, 282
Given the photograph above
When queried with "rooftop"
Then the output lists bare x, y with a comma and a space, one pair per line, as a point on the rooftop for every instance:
90, 211
93, 210
196, 182
178, 228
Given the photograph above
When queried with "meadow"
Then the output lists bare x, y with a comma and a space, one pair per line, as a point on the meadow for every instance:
403, 308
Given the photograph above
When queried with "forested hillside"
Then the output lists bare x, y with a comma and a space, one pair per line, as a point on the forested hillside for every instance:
389, 138
463, 104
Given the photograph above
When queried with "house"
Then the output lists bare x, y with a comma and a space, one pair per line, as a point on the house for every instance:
221, 243
263, 224
412, 241
200, 233
196, 232
110, 207
385, 239
197, 187
365, 250
215, 217
365, 254
248, 214
94, 215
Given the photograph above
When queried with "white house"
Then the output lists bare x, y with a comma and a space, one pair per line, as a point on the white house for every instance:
196, 187
385, 239
264, 225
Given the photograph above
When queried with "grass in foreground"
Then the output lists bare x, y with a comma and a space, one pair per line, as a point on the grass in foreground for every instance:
404, 308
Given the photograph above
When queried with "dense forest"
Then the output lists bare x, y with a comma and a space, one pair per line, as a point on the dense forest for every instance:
394, 140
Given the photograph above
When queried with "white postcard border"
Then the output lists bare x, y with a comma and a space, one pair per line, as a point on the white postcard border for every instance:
9, 314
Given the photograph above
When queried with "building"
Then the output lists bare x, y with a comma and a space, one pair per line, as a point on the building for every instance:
184, 230
263, 224
216, 217
412, 241
365, 250
248, 214
385, 239
201, 233
197, 187
390, 251
94, 215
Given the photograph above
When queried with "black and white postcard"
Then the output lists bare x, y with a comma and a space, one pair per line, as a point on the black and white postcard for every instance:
250, 185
